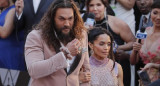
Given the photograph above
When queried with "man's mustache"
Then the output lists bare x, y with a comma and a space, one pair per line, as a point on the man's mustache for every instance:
65, 27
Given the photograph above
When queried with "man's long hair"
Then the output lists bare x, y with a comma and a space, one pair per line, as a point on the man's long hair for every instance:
47, 23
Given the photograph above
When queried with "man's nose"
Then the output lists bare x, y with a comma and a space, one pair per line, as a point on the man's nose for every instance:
66, 23
158, 16
142, 2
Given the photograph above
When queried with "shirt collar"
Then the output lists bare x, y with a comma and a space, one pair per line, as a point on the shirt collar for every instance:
147, 15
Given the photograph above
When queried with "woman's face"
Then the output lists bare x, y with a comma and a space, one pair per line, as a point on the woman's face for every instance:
101, 46
97, 7
155, 16
4, 3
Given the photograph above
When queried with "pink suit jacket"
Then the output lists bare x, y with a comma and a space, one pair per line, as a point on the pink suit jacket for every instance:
46, 67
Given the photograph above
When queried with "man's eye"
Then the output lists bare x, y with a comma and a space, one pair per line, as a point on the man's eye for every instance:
61, 19
101, 44
70, 19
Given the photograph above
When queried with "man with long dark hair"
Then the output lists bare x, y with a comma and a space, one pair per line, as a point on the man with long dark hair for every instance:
57, 47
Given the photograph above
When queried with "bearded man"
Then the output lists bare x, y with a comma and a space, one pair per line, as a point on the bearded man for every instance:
57, 47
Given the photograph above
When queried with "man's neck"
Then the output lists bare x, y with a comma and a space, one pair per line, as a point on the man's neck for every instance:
66, 41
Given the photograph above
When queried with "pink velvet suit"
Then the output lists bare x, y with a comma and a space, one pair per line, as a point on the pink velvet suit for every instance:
46, 67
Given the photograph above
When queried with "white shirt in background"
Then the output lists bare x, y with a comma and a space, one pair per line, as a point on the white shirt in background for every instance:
36, 5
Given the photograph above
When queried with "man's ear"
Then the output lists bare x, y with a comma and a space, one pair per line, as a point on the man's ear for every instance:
90, 45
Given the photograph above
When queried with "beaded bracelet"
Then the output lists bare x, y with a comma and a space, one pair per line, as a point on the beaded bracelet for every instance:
66, 51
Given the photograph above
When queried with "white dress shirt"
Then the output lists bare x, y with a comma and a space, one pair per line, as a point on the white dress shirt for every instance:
36, 5
147, 16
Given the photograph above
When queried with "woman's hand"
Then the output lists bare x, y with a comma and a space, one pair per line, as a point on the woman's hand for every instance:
84, 76
151, 65
136, 46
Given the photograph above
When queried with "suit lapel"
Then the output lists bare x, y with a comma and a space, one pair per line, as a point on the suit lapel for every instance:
149, 21
31, 6
75, 63
140, 25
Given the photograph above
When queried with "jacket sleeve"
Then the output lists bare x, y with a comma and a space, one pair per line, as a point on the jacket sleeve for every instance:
34, 55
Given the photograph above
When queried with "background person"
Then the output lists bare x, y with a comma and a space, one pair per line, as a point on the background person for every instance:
118, 29
29, 13
11, 40
124, 10
144, 6
148, 51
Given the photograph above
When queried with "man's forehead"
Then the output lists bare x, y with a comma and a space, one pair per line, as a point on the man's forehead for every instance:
65, 12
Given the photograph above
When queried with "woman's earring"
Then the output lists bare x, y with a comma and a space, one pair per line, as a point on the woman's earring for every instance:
105, 12
91, 51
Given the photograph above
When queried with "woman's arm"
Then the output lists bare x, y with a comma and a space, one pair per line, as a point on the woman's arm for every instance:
122, 29
128, 4
134, 57
8, 25
120, 75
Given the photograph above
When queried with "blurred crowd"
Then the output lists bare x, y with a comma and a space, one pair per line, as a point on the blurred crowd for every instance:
123, 39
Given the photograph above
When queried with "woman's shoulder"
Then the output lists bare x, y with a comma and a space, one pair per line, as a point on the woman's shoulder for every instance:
11, 12
11, 9
117, 67
116, 20
117, 23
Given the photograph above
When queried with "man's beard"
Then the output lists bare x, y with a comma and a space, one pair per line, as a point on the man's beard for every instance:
65, 38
